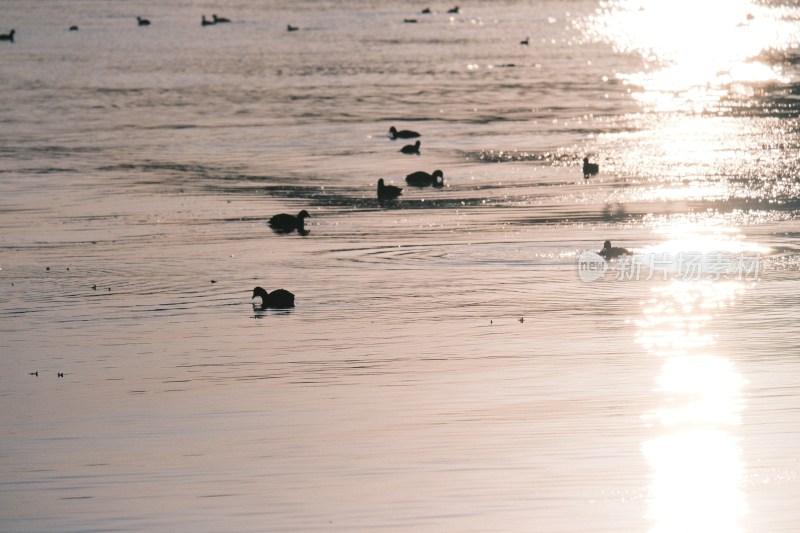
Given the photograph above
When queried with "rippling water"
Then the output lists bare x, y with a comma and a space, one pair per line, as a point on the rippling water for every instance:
450, 365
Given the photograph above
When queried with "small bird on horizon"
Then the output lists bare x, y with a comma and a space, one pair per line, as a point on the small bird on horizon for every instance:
277, 299
589, 169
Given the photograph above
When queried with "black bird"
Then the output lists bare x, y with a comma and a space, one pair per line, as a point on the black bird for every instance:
455, 9
387, 192
410, 21
220, 20
525, 41
589, 169
287, 223
423, 179
73, 28
289, 27
411, 148
402, 134
277, 299
143, 22
612, 252
426, 11
8, 36
206, 22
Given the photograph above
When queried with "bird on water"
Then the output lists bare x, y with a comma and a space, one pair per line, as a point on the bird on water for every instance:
8, 36
387, 192
402, 134
411, 149
423, 179
289, 27
277, 299
589, 169
220, 20
205, 22
287, 223
612, 252
143, 22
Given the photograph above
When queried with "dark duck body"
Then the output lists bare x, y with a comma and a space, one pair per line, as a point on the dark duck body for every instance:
423, 179
8, 36
402, 134
411, 149
612, 252
589, 169
286, 223
143, 22
220, 20
277, 299
387, 192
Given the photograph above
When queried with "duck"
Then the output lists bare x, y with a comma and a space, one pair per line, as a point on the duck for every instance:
205, 22
423, 179
289, 27
8, 36
410, 21
612, 252
589, 169
277, 299
219, 20
426, 11
526, 41
143, 22
402, 134
411, 148
454, 9
73, 28
387, 192
287, 223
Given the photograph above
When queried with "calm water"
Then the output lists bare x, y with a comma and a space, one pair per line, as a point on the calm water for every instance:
448, 367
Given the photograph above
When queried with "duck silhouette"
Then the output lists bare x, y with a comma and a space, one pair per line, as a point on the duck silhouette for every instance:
73, 28
143, 22
289, 27
402, 134
8, 36
423, 179
612, 252
411, 149
206, 22
286, 223
387, 192
220, 20
426, 11
455, 10
589, 169
277, 299
526, 41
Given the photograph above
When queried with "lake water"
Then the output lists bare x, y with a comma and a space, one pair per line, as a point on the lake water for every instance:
450, 365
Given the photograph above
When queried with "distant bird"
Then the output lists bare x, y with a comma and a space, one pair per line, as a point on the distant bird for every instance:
410, 21
35, 373
289, 27
219, 20
455, 10
206, 22
8, 36
402, 134
287, 223
589, 169
411, 148
73, 28
143, 22
277, 299
426, 11
612, 252
387, 192
423, 179
525, 41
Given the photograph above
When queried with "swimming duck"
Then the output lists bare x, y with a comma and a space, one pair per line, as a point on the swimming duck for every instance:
287, 223
589, 169
143, 22
526, 41
73, 28
220, 20
455, 10
426, 11
402, 134
277, 299
8, 36
289, 27
205, 22
411, 148
612, 252
410, 21
423, 179
387, 192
